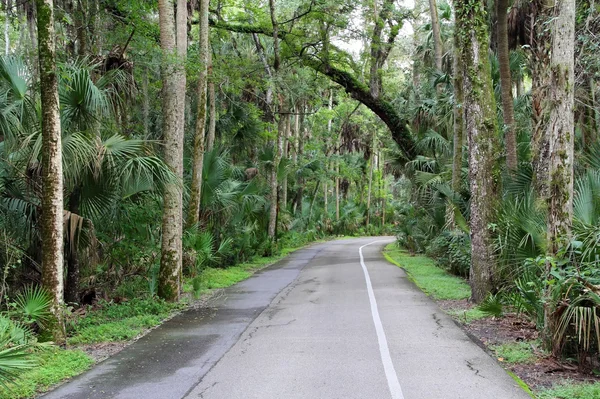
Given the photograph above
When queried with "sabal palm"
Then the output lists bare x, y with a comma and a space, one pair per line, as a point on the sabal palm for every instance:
100, 167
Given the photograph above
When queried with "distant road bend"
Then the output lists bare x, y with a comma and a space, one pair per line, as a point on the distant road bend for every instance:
332, 321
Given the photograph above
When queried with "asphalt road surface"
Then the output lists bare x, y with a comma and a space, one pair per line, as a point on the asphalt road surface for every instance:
331, 321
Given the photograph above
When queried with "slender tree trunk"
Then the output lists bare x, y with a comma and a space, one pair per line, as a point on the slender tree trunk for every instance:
200, 135
52, 174
7, 10
595, 128
540, 84
369, 191
337, 190
300, 150
146, 105
510, 138
212, 109
173, 41
481, 128
284, 183
458, 126
278, 151
437, 38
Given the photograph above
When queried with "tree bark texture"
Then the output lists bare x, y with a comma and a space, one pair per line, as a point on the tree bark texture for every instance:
458, 125
437, 38
481, 128
510, 138
52, 174
561, 126
540, 96
200, 135
173, 40
212, 105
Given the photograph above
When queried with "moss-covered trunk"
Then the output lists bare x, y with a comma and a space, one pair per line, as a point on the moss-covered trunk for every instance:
510, 138
540, 83
52, 174
173, 41
560, 133
482, 131
458, 126
200, 135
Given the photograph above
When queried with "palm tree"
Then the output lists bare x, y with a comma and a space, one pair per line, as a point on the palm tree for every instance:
100, 168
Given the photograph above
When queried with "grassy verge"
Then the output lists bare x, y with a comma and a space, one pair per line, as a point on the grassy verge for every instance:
572, 391
215, 278
443, 286
516, 352
54, 366
434, 281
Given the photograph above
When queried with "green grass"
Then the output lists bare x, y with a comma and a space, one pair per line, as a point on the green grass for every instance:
427, 276
515, 352
467, 315
120, 322
572, 391
55, 365
215, 278
521, 383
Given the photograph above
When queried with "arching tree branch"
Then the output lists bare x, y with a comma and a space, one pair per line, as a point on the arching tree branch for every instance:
357, 89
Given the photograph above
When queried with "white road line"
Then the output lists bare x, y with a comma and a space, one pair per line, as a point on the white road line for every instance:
384, 351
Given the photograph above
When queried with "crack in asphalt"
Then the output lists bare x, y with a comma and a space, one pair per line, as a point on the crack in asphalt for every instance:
201, 394
470, 367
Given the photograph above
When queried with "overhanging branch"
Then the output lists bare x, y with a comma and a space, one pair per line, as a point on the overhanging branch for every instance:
358, 90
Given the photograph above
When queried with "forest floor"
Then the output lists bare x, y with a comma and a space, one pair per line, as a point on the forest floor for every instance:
511, 338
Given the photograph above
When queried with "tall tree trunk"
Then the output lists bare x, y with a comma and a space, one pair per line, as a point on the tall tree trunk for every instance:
52, 174
145, 105
540, 97
173, 41
200, 135
278, 150
437, 38
481, 127
560, 133
7, 11
510, 138
458, 126
300, 150
285, 155
337, 190
370, 189
212, 108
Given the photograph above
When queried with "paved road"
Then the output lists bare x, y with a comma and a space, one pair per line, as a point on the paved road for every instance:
331, 321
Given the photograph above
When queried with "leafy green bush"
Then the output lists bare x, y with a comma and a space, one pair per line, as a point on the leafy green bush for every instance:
452, 250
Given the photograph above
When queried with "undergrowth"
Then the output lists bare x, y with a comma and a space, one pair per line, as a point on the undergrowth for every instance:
54, 366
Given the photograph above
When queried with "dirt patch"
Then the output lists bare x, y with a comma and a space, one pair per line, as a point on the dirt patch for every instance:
452, 304
497, 331
547, 372
544, 371
102, 350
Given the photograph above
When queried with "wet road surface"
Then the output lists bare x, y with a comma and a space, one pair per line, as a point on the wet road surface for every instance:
321, 324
